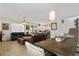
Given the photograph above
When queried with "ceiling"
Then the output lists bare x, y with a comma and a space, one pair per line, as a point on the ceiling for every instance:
33, 11
36, 12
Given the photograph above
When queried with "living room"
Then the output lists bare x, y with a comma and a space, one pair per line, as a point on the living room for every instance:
34, 24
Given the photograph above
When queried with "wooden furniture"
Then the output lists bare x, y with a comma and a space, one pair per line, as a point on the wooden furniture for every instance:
28, 39
33, 39
1, 36
23, 39
75, 32
65, 47
39, 37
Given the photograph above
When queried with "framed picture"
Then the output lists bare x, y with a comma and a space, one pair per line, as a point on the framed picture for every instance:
5, 26
27, 27
53, 26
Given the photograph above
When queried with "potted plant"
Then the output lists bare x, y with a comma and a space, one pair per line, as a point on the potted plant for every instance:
77, 23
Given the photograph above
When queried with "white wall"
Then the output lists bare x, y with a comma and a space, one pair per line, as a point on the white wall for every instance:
63, 28
7, 33
64, 11
0, 27
17, 27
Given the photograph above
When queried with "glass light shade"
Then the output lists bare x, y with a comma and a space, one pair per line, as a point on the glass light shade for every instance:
25, 22
52, 15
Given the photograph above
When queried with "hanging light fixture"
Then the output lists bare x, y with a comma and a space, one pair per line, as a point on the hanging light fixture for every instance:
25, 22
52, 15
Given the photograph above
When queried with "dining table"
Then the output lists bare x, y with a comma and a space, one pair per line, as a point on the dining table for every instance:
66, 47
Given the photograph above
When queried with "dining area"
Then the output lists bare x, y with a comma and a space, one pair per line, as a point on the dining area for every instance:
61, 46
40, 29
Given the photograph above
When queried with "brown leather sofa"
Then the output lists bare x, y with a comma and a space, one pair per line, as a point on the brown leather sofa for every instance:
36, 38
39, 37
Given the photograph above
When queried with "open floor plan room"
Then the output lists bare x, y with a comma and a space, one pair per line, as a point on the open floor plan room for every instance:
39, 29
